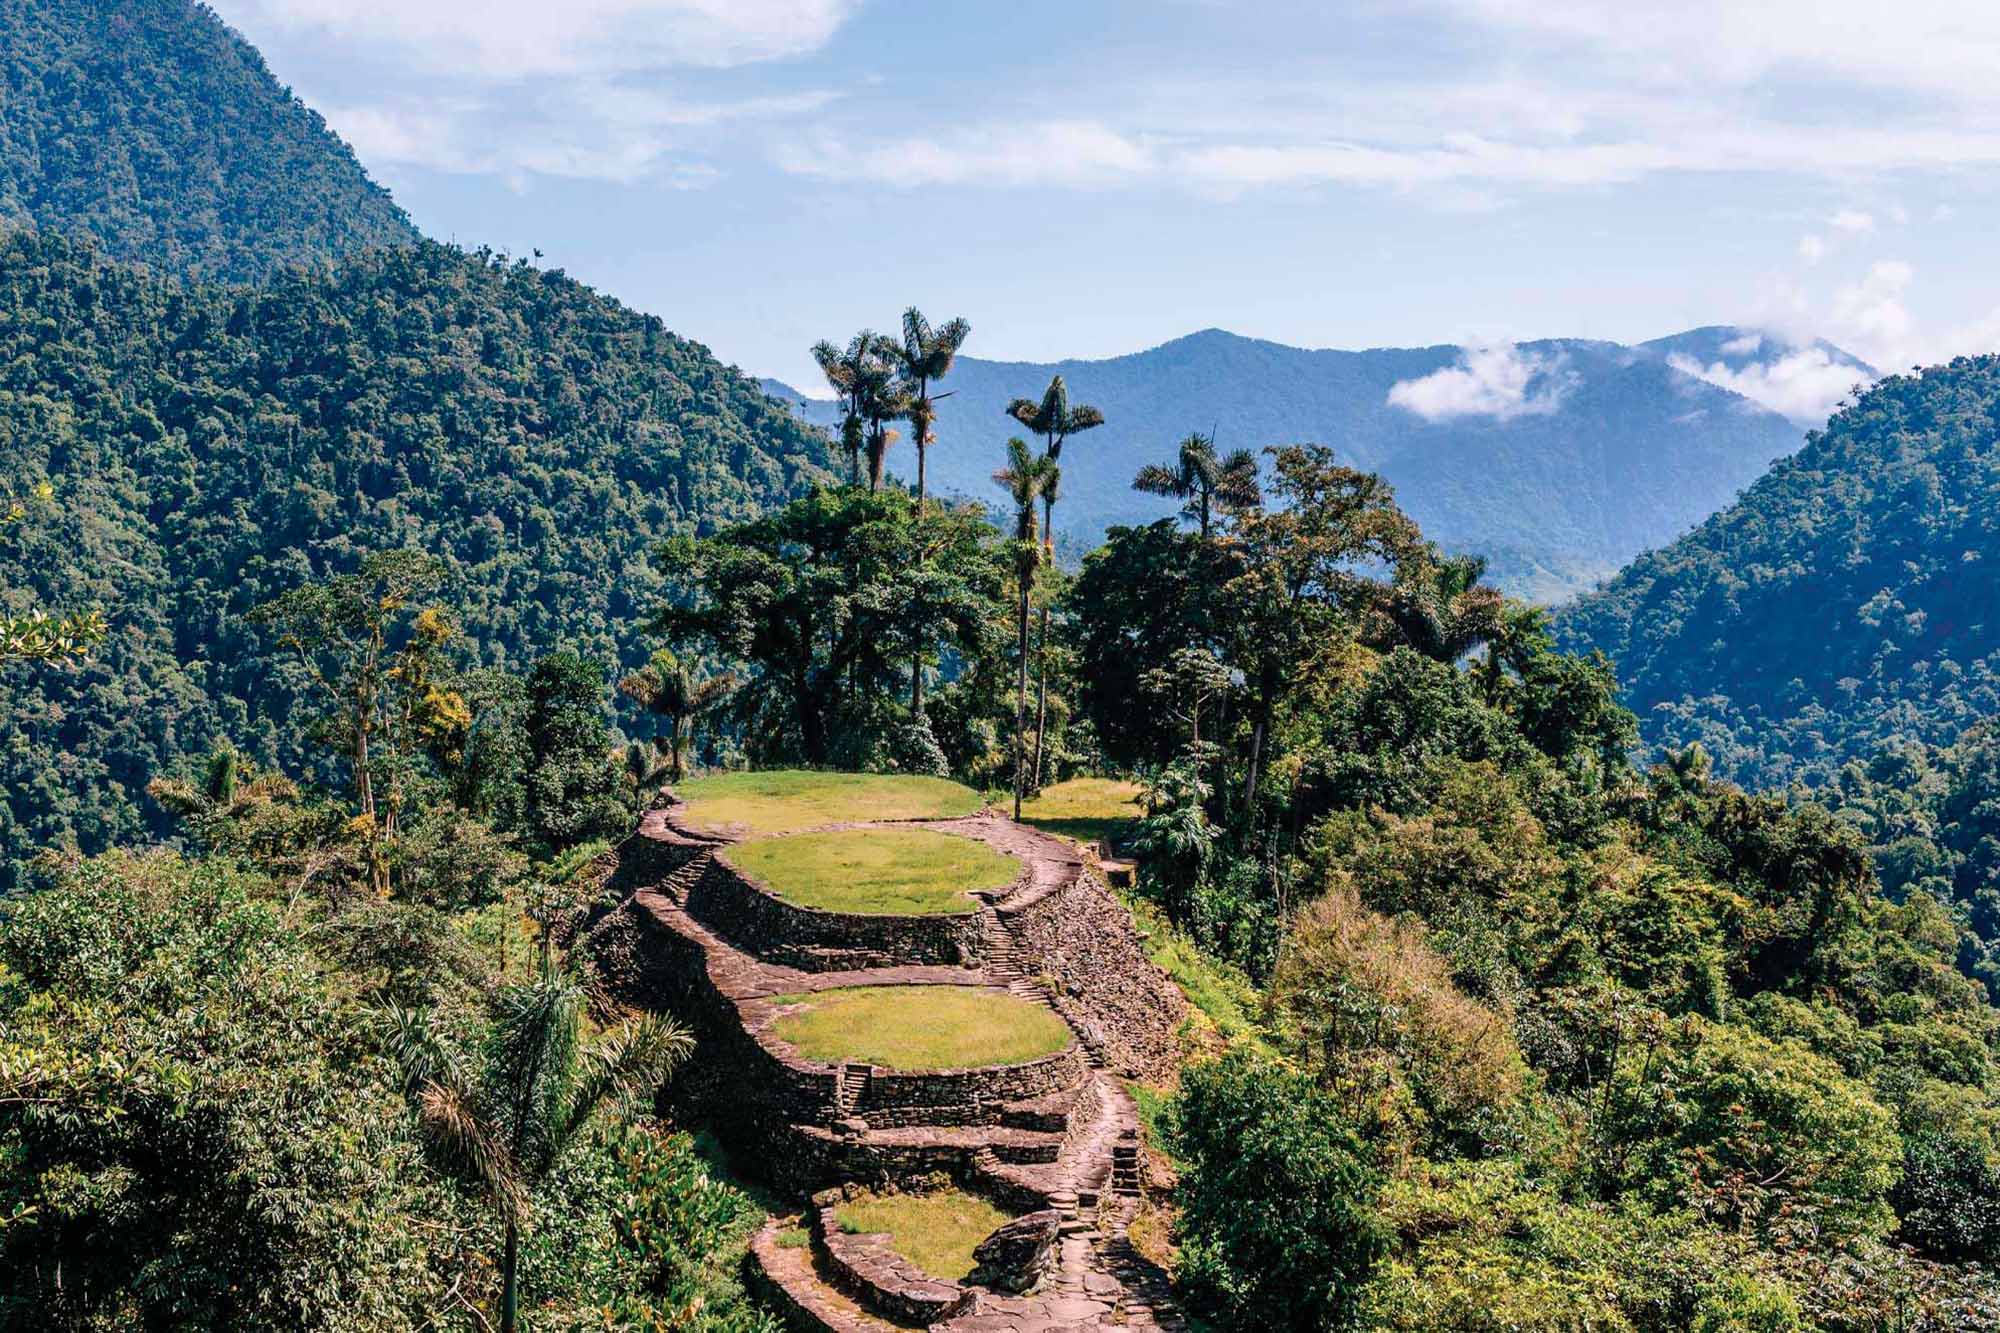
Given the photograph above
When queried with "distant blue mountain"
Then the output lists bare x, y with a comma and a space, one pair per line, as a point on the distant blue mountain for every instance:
1559, 460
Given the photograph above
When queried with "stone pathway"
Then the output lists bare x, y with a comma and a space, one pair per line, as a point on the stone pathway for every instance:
1076, 1148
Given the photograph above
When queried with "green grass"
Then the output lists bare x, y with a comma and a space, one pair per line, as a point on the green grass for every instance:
1220, 993
784, 801
886, 872
937, 1232
1154, 1104
917, 1028
1084, 809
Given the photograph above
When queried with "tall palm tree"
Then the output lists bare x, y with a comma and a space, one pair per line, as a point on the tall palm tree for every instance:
1025, 478
1522, 632
1055, 420
503, 1124
846, 370
882, 398
925, 357
668, 688
1438, 605
1204, 479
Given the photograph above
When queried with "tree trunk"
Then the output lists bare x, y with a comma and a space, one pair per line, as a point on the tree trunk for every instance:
812, 729
921, 452
1021, 701
1041, 694
510, 1275
1257, 733
364, 789
916, 688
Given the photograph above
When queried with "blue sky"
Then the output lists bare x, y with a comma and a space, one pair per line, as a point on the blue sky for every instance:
1086, 179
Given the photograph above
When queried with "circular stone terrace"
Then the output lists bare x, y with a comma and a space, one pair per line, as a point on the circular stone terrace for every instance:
877, 945
743, 805
918, 1029
875, 871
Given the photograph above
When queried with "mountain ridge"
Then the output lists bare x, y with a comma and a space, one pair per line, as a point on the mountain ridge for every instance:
156, 129
1603, 450
1878, 544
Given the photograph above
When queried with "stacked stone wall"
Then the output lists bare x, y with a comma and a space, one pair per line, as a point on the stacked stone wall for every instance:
1081, 939
759, 922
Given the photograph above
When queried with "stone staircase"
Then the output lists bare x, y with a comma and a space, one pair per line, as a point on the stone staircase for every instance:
680, 884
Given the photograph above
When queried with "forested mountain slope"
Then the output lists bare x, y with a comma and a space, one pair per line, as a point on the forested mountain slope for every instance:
1849, 602
209, 448
1603, 451
153, 127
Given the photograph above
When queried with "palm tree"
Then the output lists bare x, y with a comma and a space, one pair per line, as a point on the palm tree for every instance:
1025, 478
226, 792
1055, 421
881, 397
1438, 606
1204, 479
845, 371
503, 1125
1051, 492
1522, 632
926, 355
667, 687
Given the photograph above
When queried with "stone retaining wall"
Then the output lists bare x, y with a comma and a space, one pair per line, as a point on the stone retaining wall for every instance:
892, 1090
735, 905
1083, 939
881, 1279
755, 1095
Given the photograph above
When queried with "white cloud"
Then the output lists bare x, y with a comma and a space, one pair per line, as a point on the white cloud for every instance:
1567, 94
1499, 381
1812, 248
1937, 47
1867, 314
1871, 311
1745, 344
1104, 154
518, 38
1852, 221
1078, 154
584, 89
601, 132
1803, 384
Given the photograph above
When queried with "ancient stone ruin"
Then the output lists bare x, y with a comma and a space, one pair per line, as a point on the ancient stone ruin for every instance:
1052, 1140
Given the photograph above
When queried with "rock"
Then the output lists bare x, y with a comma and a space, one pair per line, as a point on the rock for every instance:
1019, 1255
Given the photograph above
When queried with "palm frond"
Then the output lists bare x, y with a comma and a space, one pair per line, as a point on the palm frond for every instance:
625, 1065
178, 797
467, 1141
1156, 479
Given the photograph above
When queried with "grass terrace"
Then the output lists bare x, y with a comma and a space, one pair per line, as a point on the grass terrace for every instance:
787, 800
879, 872
937, 1231
919, 1028
1083, 809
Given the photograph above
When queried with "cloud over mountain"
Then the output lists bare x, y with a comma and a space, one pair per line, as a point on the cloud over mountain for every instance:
1499, 381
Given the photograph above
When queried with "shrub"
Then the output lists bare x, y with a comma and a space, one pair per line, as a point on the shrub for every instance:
1276, 1230
1380, 1023
1749, 1131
